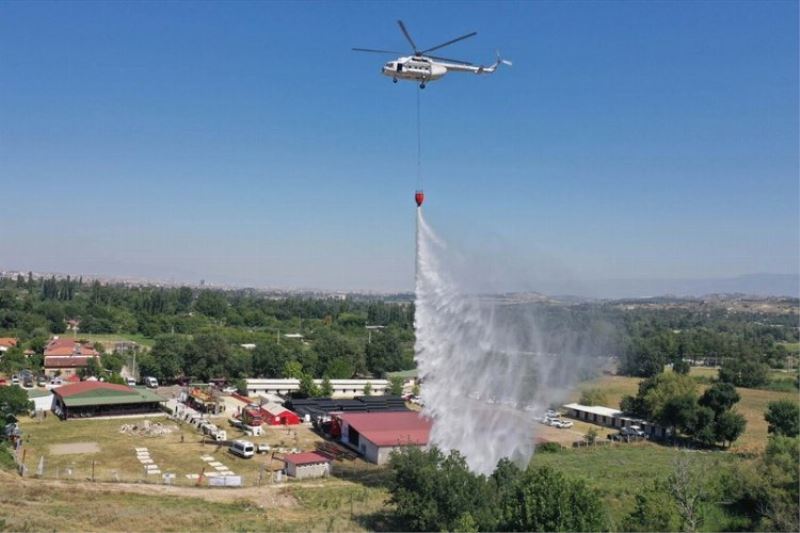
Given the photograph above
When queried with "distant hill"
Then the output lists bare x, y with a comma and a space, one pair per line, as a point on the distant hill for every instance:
750, 284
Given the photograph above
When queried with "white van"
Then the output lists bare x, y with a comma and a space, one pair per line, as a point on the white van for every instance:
242, 448
151, 382
131, 382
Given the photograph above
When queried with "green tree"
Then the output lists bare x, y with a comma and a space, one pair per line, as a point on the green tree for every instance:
545, 500
92, 368
396, 387
729, 426
433, 492
741, 372
326, 389
308, 389
169, 354
681, 367
293, 369
184, 299
783, 417
208, 357
654, 510
678, 412
211, 303
719, 397
594, 396
269, 359
368, 389
383, 354
703, 426
657, 391
116, 379
14, 401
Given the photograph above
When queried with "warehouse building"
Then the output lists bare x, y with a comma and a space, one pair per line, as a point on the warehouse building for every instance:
320, 408
94, 398
613, 418
307, 465
377, 435
342, 388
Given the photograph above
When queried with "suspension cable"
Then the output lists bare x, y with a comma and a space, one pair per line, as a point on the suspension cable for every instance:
419, 144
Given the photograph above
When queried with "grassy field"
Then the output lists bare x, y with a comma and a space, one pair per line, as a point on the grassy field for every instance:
792, 347
34, 505
110, 338
178, 452
752, 405
621, 471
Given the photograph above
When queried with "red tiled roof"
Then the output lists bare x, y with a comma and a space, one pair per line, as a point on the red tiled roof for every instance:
69, 361
391, 429
8, 342
65, 391
63, 347
306, 458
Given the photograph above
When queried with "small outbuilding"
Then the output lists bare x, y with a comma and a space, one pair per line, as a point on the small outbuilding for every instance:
42, 400
307, 465
275, 414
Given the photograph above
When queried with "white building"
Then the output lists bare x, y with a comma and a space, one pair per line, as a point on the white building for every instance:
342, 388
613, 418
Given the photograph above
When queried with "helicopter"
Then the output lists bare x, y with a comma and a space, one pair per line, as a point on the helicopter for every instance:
423, 68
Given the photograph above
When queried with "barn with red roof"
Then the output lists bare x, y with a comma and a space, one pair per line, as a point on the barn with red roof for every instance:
96, 398
375, 435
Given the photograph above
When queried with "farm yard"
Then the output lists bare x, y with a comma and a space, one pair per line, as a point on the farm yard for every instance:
74, 448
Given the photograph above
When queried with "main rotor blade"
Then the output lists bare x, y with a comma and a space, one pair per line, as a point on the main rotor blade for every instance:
377, 51
457, 61
408, 36
448, 43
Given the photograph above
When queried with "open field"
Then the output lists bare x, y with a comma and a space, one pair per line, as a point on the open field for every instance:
752, 405
178, 452
110, 338
621, 471
354, 502
37, 505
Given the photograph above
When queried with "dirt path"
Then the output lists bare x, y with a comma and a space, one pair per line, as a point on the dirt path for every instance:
266, 496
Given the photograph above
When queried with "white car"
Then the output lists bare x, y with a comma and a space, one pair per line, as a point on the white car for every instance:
562, 424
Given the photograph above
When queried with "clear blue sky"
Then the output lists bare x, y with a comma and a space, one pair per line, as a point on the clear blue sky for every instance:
246, 143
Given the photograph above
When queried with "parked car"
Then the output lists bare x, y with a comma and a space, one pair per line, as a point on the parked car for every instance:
632, 431
151, 382
263, 448
131, 382
242, 448
560, 423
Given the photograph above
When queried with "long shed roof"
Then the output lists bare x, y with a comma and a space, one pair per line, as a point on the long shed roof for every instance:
99, 393
391, 428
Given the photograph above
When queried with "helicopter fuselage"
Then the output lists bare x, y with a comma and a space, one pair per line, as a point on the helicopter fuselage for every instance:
414, 68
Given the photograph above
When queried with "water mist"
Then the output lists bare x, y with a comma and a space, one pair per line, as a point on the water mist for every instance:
485, 374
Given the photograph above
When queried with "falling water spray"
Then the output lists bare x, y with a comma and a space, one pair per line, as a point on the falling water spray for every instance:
485, 373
